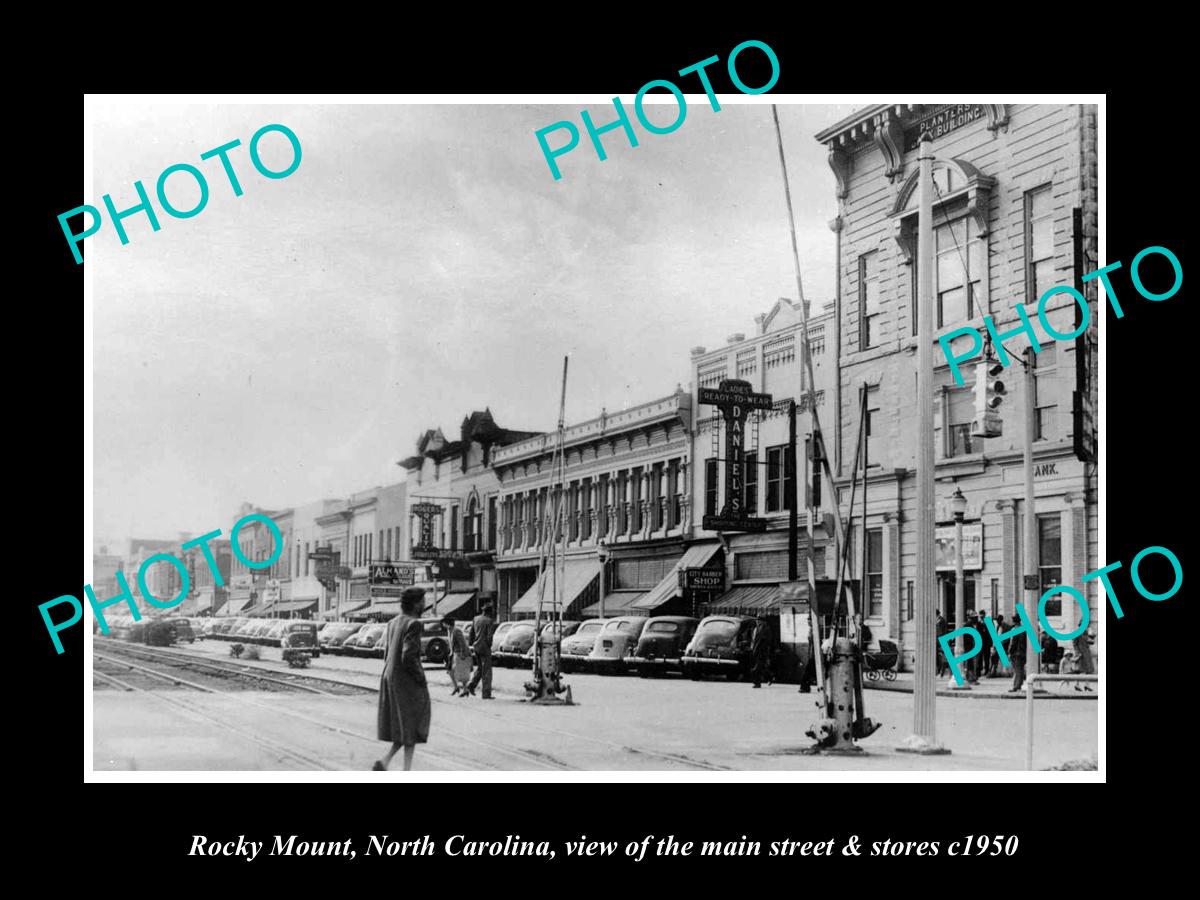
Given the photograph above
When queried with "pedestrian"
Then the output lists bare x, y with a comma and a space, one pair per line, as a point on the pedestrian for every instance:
404, 707
1083, 659
1051, 652
760, 652
994, 656
458, 662
976, 662
1016, 655
940, 628
482, 631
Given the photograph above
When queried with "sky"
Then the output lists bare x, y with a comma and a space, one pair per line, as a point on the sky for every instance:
422, 262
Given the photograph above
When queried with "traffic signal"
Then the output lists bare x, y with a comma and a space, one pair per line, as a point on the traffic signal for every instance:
989, 394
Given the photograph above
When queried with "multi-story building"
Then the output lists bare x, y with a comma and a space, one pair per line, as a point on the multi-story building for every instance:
161, 578
254, 592
772, 362
206, 596
1007, 180
627, 512
105, 566
458, 477
308, 595
333, 529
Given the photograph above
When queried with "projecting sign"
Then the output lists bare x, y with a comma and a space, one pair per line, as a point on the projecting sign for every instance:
394, 574
735, 399
697, 579
425, 548
972, 547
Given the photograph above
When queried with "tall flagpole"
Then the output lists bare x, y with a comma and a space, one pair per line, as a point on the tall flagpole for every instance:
924, 737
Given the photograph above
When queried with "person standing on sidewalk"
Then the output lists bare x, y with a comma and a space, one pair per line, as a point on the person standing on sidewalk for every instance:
760, 651
458, 663
482, 631
404, 707
1016, 656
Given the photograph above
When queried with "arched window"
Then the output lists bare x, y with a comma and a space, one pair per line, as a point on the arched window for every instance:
473, 526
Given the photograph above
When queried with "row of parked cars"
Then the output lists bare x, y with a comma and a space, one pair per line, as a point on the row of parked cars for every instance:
335, 638
718, 645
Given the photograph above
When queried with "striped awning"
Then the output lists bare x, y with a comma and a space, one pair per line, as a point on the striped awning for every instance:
617, 603
747, 598
577, 578
450, 603
696, 556
294, 606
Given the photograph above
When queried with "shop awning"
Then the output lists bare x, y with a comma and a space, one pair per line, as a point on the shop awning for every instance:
348, 607
237, 606
257, 610
294, 606
695, 557
617, 603
747, 599
449, 604
577, 578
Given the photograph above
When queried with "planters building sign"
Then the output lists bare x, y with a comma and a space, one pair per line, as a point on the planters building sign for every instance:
735, 400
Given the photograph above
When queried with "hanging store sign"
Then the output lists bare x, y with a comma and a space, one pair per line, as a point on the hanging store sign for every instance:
393, 574
735, 400
425, 547
702, 579
972, 547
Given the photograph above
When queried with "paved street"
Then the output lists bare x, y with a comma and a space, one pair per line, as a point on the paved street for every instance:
619, 723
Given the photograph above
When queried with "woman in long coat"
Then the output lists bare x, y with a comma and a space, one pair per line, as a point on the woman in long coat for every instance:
403, 695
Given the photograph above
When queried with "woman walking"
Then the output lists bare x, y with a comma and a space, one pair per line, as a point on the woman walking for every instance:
403, 695
459, 662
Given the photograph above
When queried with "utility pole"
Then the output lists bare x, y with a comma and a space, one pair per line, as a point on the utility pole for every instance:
923, 740
1030, 549
794, 499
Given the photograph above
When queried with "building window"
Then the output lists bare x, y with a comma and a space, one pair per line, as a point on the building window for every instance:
1050, 558
306, 552
656, 492
958, 408
710, 487
454, 527
622, 492
750, 482
816, 341
781, 478
675, 493
908, 604
995, 603
1039, 243
491, 526
585, 521
1043, 392
396, 542
635, 512
747, 363
870, 318
370, 548
961, 265
473, 526
387, 546
873, 430
874, 579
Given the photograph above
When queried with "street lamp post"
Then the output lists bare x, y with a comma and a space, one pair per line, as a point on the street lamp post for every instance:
602, 555
958, 505
435, 570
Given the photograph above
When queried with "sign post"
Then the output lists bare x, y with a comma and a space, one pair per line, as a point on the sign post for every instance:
735, 400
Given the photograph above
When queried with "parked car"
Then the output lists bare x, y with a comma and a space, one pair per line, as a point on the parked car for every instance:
155, 632
498, 635
183, 629
578, 646
300, 635
617, 641
435, 641
370, 640
569, 627
513, 646
721, 646
661, 646
333, 636
274, 634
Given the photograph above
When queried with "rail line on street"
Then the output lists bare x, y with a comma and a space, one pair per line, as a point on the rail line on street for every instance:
462, 761
536, 759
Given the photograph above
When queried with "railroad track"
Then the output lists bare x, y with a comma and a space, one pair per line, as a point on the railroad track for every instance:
537, 759
453, 759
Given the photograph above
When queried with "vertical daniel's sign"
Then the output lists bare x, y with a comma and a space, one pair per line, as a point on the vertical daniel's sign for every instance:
735, 400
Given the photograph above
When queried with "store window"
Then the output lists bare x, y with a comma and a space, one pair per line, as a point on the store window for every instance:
1050, 558
874, 585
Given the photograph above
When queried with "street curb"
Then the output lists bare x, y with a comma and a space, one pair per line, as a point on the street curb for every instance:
988, 695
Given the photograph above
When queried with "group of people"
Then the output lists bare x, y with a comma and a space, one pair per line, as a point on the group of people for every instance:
986, 663
404, 705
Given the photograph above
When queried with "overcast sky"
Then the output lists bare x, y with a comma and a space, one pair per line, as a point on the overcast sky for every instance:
290, 344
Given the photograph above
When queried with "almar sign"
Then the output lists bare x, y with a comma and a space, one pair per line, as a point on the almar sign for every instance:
735, 399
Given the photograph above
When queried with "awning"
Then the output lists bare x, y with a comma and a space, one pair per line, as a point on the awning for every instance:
578, 577
451, 603
747, 598
347, 608
695, 557
237, 606
617, 603
294, 606
257, 610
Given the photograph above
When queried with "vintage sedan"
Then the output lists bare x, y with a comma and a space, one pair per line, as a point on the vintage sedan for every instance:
370, 641
721, 646
273, 636
300, 635
497, 636
615, 644
183, 629
577, 647
569, 627
515, 644
435, 641
661, 645
334, 636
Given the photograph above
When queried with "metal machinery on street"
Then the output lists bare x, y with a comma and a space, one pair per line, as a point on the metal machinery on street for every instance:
546, 687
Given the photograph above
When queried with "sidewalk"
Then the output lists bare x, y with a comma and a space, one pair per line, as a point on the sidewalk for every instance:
988, 688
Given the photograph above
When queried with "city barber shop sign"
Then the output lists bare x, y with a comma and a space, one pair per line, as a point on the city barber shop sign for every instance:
735, 400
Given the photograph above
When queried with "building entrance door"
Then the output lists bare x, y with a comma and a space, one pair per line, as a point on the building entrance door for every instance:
946, 592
